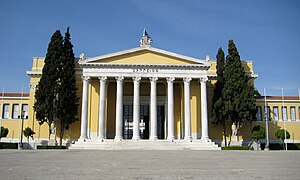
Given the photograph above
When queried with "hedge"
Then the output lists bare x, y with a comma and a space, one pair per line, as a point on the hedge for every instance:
278, 146
50, 147
235, 148
4, 145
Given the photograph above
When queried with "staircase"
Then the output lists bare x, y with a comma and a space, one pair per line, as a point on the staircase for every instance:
110, 144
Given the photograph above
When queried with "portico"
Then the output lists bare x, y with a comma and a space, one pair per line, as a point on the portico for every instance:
154, 70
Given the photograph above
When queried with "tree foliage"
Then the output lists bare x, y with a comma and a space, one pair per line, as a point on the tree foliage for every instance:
56, 95
28, 132
238, 92
67, 100
46, 91
217, 100
258, 132
4, 132
280, 134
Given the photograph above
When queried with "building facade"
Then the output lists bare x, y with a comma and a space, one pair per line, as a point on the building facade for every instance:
148, 93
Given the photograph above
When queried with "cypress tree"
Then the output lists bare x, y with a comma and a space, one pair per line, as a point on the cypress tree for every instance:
217, 100
67, 100
46, 92
238, 92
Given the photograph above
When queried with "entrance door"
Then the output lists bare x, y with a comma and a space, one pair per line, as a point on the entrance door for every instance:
161, 122
128, 121
144, 121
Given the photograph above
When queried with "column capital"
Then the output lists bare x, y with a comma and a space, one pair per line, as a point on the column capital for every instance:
85, 78
203, 80
120, 78
136, 78
187, 79
102, 78
153, 79
170, 79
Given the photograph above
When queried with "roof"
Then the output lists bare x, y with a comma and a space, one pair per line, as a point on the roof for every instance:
14, 95
280, 97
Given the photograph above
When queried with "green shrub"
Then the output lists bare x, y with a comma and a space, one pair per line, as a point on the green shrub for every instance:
258, 132
280, 134
51, 147
235, 148
4, 145
4, 132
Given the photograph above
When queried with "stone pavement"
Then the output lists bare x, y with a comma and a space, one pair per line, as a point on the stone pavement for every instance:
184, 164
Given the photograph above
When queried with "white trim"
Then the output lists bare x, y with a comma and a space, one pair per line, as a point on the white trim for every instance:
8, 97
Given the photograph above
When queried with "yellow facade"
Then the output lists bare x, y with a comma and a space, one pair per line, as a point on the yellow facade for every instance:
11, 117
147, 57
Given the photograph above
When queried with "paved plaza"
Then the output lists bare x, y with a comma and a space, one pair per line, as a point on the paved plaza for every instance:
95, 164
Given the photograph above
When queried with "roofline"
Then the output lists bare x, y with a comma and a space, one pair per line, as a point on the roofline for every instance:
141, 49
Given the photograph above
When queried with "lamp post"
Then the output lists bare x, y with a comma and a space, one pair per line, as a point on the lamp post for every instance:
22, 124
267, 119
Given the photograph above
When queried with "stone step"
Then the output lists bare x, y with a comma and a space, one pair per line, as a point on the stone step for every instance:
145, 145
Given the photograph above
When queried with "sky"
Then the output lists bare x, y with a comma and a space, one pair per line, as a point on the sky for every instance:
266, 32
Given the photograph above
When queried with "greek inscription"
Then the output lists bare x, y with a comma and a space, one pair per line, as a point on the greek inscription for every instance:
145, 70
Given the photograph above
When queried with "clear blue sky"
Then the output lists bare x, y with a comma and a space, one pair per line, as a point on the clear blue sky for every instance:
267, 32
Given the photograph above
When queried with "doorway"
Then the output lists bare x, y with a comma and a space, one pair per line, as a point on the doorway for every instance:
144, 121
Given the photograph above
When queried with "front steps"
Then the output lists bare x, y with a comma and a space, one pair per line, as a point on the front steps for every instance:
109, 144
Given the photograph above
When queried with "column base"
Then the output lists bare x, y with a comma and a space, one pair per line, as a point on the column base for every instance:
153, 138
171, 138
118, 139
188, 138
136, 138
82, 139
100, 139
205, 139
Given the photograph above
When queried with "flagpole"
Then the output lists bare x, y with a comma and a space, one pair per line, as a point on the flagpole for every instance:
284, 120
267, 119
22, 119
299, 95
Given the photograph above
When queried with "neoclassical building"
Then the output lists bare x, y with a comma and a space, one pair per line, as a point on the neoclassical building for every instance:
146, 93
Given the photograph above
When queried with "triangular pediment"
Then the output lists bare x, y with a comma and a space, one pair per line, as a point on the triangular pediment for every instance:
144, 55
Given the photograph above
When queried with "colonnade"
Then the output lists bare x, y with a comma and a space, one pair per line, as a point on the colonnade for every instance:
136, 108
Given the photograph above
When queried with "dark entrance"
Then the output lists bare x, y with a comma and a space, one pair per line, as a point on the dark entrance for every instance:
144, 121
160, 122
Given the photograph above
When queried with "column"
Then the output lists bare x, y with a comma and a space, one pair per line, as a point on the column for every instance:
119, 109
102, 109
153, 109
170, 81
204, 119
187, 109
136, 108
84, 110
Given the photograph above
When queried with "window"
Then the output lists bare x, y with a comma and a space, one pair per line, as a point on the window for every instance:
5, 111
15, 111
25, 110
258, 113
293, 113
267, 113
284, 113
275, 113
